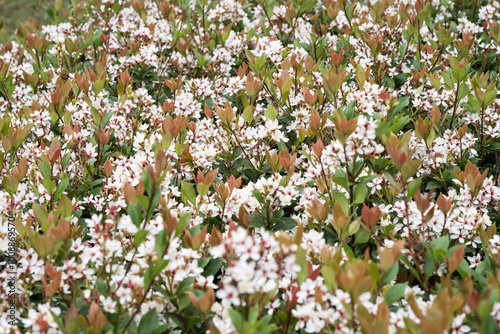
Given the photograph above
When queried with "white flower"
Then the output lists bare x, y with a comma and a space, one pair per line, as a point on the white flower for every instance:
125, 295
108, 304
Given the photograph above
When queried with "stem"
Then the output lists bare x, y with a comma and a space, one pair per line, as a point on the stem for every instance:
402, 59
327, 184
437, 58
6, 95
347, 16
353, 319
98, 160
143, 298
461, 154
241, 147
265, 12
351, 192
288, 318
272, 96
496, 164
38, 60
143, 226
454, 106
483, 63
203, 17
481, 138
418, 40
349, 177
474, 10
407, 209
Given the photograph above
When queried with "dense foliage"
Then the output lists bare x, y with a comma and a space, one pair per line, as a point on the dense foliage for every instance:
253, 166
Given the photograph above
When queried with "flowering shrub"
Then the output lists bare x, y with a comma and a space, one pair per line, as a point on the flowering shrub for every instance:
252, 166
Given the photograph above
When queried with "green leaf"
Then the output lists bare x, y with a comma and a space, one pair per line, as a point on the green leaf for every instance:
45, 170
257, 221
391, 273
414, 186
48, 184
237, 319
440, 248
95, 183
188, 192
161, 243
463, 90
182, 223
202, 189
395, 293
359, 194
10, 184
194, 320
308, 158
442, 243
271, 112
349, 111
341, 181
149, 322
160, 265
203, 262
161, 329
490, 324
40, 212
60, 188
391, 181
411, 268
402, 102
353, 227
398, 123
248, 114
101, 286
139, 237
147, 181
342, 200
430, 263
490, 96
329, 275
184, 286
135, 214
95, 114
258, 196
148, 278
282, 181
300, 259
74, 325
362, 236
65, 206
419, 90
154, 202
58, 321
409, 168
366, 179
307, 5
116, 7
106, 119
142, 200
65, 160
201, 60
447, 81
463, 269
212, 267
402, 50
97, 88
253, 314
285, 224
